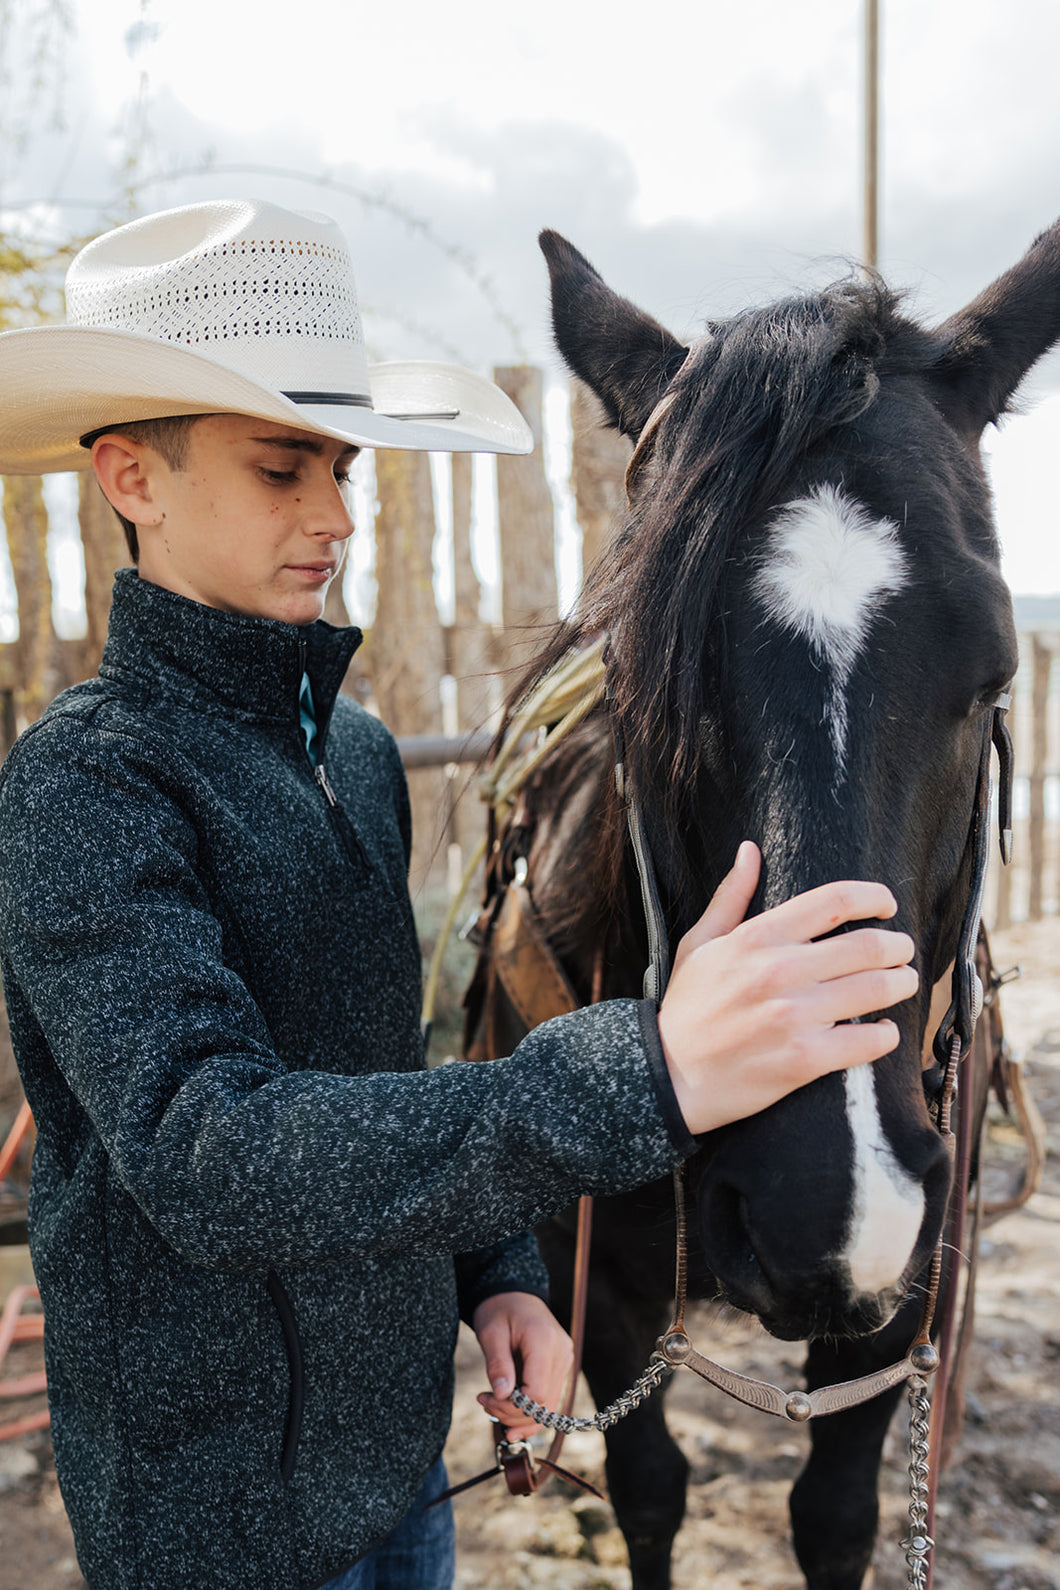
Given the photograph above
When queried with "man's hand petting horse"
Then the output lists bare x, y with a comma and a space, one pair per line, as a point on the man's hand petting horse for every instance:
758, 1008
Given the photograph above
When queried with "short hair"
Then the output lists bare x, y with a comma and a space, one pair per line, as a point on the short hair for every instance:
169, 438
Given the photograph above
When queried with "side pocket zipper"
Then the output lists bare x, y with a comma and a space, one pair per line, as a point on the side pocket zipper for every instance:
296, 1406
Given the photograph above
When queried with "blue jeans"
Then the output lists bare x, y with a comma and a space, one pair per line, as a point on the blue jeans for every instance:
418, 1554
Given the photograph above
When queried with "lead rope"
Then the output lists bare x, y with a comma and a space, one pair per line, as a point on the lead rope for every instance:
918, 1544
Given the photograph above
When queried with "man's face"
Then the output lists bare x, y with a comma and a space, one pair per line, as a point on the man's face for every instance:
256, 522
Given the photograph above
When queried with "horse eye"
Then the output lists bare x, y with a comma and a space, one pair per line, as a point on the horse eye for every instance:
1000, 685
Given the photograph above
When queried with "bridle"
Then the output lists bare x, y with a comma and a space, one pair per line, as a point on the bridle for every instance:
951, 1045
952, 1042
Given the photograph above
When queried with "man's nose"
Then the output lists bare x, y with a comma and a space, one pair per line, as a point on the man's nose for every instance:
328, 513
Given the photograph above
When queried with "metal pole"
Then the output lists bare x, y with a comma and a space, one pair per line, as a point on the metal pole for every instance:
435, 750
872, 130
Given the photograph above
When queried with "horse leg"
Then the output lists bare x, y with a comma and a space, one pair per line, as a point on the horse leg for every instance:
647, 1473
835, 1502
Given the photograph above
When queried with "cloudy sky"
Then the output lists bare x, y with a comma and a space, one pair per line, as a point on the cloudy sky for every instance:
704, 158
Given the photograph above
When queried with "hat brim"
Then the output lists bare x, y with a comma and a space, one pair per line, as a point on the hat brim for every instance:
63, 382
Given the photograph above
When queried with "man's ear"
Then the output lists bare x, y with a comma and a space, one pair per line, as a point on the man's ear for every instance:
127, 472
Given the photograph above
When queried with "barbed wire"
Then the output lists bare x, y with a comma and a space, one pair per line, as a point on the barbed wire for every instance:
117, 207
462, 258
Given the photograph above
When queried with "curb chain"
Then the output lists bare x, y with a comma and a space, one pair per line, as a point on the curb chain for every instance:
917, 1546
649, 1381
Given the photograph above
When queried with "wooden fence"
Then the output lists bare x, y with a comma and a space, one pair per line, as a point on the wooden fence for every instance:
1029, 888
429, 679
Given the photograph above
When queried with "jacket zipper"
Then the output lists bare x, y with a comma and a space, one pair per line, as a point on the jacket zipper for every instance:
344, 829
322, 779
339, 820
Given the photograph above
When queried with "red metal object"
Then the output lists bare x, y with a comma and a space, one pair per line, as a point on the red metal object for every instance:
13, 1141
15, 1327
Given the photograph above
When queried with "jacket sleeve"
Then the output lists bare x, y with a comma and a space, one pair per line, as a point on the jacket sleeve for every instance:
115, 954
511, 1266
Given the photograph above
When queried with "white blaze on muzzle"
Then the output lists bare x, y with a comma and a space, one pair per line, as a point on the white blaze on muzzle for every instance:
888, 1203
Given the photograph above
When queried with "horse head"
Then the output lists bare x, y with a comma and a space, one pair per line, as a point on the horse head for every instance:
808, 628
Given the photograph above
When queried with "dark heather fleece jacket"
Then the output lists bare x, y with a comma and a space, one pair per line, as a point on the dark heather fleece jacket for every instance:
247, 1191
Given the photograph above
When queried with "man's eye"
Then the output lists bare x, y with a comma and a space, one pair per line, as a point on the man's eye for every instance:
279, 477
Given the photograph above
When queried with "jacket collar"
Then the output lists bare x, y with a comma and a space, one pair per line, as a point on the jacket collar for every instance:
250, 666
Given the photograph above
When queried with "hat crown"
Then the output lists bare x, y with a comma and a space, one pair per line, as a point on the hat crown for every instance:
267, 291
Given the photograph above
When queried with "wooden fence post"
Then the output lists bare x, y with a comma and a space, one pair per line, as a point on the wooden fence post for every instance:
105, 551
26, 524
406, 648
470, 656
526, 519
599, 456
1041, 664
471, 641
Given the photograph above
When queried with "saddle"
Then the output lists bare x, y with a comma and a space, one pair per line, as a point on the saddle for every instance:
518, 981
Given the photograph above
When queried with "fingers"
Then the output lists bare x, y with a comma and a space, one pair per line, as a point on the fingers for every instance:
495, 1341
522, 1343
820, 911
715, 1095
860, 954
852, 997
756, 1008
804, 917
861, 950
853, 1044
730, 901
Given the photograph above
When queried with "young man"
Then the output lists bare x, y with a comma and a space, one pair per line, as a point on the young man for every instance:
255, 1217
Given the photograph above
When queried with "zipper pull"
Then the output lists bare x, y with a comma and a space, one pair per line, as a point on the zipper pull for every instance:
322, 779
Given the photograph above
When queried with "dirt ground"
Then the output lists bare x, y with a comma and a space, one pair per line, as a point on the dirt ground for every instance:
999, 1511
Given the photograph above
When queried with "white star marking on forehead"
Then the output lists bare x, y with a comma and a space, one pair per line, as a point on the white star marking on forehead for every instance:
828, 563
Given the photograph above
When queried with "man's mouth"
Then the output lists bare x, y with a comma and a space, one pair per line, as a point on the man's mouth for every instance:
316, 570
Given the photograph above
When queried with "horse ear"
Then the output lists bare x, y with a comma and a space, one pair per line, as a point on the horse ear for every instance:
622, 353
992, 343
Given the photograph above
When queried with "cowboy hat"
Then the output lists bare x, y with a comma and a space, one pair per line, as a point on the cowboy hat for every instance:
229, 306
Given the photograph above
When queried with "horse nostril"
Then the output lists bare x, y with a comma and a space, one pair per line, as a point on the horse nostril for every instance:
743, 1215
726, 1231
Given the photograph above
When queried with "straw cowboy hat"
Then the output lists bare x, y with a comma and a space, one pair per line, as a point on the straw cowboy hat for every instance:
230, 306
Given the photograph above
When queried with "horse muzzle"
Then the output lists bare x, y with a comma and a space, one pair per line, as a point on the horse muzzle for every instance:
820, 1231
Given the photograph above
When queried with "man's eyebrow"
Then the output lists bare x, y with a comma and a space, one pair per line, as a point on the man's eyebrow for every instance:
300, 444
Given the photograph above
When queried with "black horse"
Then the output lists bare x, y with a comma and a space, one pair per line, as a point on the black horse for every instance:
807, 628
